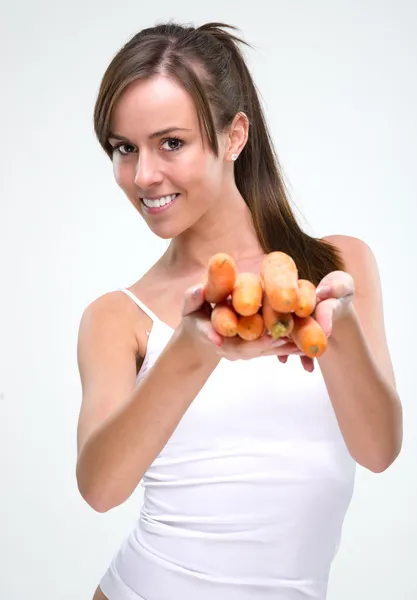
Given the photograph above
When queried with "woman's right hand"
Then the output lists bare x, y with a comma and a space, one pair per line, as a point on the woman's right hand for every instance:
196, 325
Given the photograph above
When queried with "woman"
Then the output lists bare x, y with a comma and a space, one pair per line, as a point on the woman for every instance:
248, 465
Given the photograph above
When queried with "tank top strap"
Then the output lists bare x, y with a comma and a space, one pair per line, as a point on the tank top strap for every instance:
141, 305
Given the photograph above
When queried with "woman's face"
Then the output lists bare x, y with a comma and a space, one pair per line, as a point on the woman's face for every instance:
158, 151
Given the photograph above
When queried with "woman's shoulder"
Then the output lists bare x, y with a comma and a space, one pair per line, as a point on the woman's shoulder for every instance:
124, 309
356, 253
115, 307
347, 244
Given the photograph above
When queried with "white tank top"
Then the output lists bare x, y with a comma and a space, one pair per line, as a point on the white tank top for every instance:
247, 498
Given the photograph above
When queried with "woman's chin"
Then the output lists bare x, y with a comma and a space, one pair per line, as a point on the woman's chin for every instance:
165, 232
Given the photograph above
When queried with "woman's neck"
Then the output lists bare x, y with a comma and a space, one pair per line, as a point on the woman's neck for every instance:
227, 227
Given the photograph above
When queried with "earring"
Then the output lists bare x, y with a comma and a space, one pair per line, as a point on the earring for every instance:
234, 156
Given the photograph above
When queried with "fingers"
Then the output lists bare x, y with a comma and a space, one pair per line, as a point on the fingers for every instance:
324, 314
281, 351
205, 327
306, 361
193, 299
337, 284
255, 347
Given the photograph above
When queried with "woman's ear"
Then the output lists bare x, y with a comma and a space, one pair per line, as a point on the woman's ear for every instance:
238, 135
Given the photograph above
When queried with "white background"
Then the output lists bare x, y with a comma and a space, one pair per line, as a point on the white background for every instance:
338, 83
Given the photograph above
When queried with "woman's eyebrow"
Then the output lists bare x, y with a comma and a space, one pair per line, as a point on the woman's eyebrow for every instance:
160, 133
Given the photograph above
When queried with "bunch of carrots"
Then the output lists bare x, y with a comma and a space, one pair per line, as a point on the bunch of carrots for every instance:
277, 301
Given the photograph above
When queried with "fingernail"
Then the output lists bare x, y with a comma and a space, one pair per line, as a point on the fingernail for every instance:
323, 290
278, 343
196, 291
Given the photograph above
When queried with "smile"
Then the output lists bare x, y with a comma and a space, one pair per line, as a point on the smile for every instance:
155, 206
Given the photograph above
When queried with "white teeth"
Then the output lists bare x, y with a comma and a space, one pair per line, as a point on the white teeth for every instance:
160, 202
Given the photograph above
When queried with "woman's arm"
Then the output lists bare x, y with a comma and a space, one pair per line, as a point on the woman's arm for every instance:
123, 426
357, 367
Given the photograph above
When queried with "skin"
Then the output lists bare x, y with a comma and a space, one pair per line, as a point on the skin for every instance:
210, 213
212, 216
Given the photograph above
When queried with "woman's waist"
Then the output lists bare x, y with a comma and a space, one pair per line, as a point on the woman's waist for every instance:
242, 496
245, 503
217, 569
241, 546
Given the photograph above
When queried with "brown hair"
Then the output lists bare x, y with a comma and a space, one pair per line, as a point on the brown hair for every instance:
209, 64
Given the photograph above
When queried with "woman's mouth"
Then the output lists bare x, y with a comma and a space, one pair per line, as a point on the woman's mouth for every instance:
159, 205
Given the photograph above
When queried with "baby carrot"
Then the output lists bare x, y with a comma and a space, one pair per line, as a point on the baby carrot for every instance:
221, 277
224, 320
308, 336
278, 258
307, 298
280, 278
247, 294
251, 328
278, 324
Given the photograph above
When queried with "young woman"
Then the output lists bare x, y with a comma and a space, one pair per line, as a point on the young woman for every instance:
247, 461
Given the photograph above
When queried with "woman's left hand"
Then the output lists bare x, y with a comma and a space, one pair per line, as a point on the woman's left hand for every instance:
335, 293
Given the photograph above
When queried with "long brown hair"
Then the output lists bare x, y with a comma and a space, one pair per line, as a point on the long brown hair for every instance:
209, 64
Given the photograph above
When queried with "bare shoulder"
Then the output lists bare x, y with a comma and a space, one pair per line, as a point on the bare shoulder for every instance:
360, 261
108, 351
105, 313
361, 264
352, 248
117, 308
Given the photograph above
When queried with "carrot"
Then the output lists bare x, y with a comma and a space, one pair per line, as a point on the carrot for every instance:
221, 277
307, 300
251, 328
280, 279
308, 336
278, 324
247, 294
224, 320
278, 258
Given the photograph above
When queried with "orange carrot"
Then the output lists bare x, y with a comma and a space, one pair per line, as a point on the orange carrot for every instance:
221, 277
278, 258
309, 336
251, 328
278, 324
247, 294
280, 279
307, 298
224, 320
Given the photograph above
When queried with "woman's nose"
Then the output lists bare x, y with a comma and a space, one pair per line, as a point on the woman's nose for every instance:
147, 173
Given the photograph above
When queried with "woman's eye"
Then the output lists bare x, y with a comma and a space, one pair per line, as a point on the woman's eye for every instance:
125, 151
176, 142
